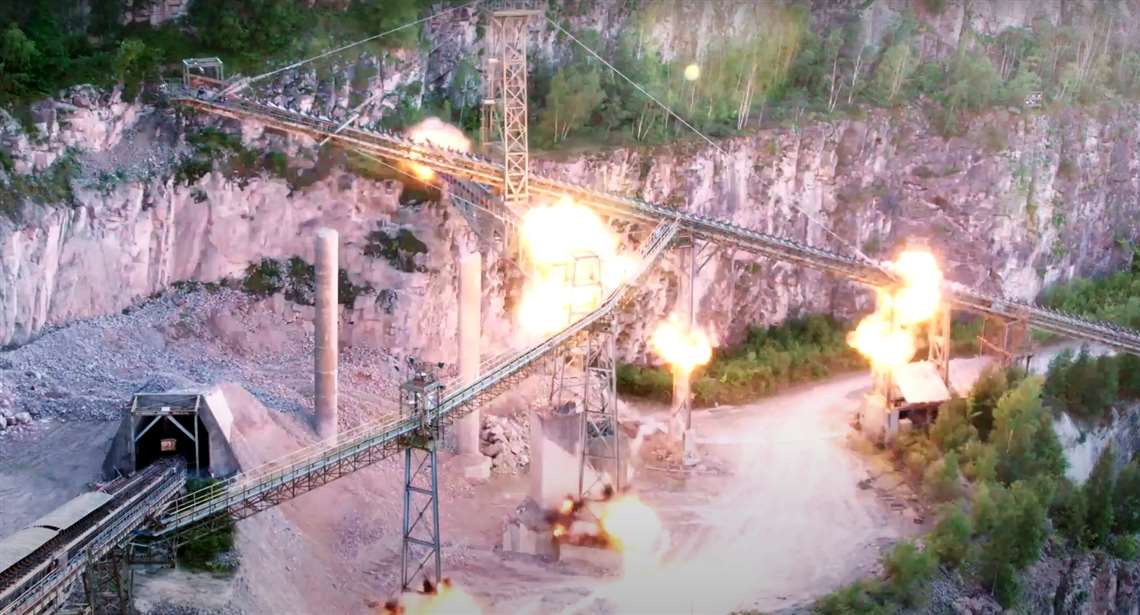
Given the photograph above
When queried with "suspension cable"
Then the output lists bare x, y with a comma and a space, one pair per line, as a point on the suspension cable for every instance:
695, 130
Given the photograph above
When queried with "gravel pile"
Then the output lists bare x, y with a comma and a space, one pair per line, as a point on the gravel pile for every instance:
88, 371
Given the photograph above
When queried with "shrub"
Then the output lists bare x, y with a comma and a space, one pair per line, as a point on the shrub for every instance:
980, 461
908, 572
916, 452
950, 540
645, 382
942, 478
953, 429
859, 598
1124, 546
264, 278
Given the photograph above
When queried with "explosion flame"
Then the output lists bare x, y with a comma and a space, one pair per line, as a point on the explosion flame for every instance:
434, 131
684, 348
636, 531
443, 599
887, 337
576, 261
623, 523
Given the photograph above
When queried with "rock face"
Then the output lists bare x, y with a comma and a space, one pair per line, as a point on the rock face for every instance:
1081, 584
1020, 201
1054, 200
1057, 199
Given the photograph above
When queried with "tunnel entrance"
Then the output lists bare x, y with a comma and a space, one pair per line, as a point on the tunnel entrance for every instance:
169, 425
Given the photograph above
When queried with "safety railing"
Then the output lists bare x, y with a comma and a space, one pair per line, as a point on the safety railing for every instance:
48, 592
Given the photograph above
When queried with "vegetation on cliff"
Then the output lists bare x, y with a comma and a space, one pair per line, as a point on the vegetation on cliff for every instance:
996, 461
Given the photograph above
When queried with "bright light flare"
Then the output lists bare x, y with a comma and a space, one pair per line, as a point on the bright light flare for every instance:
918, 299
576, 260
684, 348
887, 337
445, 599
634, 529
436, 132
692, 72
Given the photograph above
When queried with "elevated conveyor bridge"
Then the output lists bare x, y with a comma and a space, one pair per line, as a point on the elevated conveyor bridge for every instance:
266, 486
475, 168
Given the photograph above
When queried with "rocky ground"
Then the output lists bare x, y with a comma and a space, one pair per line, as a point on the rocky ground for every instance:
337, 548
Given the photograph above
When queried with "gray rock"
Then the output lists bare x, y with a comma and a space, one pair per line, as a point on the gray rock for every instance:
23, 418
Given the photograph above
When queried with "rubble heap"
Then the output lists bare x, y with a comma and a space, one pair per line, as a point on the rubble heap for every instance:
504, 440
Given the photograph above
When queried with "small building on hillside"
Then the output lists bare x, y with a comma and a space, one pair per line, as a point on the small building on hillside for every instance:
913, 394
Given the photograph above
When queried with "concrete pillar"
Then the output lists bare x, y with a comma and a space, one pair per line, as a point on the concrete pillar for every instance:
325, 366
682, 422
470, 325
555, 457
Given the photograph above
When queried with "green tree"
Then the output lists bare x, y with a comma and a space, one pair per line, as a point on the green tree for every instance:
908, 572
981, 460
1126, 500
1085, 385
953, 429
18, 57
984, 396
384, 15
1023, 434
950, 539
894, 71
1099, 490
1013, 527
1070, 512
574, 95
134, 63
974, 82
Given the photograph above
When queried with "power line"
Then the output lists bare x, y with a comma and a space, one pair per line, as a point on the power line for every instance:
636, 85
695, 130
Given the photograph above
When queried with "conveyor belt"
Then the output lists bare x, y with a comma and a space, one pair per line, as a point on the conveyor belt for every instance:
475, 168
88, 540
267, 486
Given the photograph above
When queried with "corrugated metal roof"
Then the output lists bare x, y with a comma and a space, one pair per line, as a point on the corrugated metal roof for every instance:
919, 383
66, 515
22, 544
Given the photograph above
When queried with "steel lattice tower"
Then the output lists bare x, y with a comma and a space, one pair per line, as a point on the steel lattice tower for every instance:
419, 400
599, 411
509, 34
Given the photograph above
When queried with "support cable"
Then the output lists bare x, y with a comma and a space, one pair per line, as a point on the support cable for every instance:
695, 130
246, 82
